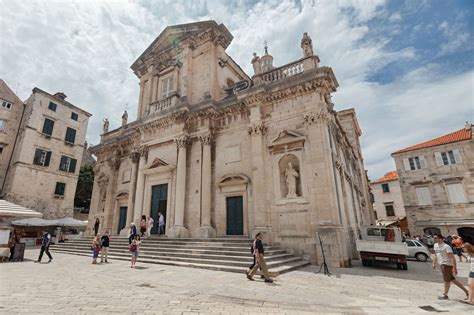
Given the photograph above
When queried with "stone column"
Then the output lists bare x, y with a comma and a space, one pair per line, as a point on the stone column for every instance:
260, 207
114, 164
134, 157
138, 208
179, 230
206, 230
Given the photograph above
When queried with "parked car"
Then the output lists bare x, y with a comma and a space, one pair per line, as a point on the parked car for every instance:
417, 250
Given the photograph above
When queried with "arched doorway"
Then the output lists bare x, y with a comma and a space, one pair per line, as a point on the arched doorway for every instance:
467, 234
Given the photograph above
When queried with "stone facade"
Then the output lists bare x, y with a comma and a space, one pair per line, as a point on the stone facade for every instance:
437, 184
388, 197
222, 153
11, 111
45, 165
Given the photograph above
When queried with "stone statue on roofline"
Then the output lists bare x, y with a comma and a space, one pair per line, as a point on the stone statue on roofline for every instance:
105, 127
257, 68
307, 45
124, 118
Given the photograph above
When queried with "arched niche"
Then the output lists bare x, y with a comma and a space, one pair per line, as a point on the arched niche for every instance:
290, 179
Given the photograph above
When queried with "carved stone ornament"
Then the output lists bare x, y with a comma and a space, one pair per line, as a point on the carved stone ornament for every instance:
114, 163
182, 142
312, 118
257, 128
143, 151
102, 180
134, 156
206, 138
307, 45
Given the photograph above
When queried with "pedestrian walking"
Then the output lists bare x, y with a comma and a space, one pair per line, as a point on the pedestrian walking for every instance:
161, 223
135, 250
457, 243
133, 233
143, 226
96, 226
45, 242
469, 249
95, 248
445, 258
149, 225
104, 242
12, 244
258, 252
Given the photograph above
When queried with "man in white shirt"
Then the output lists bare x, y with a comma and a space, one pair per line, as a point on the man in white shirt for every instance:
445, 258
161, 223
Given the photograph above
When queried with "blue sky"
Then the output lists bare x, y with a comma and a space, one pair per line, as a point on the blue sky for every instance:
405, 66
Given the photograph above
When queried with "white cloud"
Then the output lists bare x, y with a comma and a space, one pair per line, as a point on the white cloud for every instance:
85, 49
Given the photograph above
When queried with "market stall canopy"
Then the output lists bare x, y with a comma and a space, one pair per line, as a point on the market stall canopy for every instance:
70, 222
9, 209
34, 222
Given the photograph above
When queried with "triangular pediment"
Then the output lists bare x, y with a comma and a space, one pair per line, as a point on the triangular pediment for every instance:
157, 162
171, 37
287, 135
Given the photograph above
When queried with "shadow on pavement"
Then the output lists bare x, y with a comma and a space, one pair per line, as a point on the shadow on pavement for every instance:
419, 271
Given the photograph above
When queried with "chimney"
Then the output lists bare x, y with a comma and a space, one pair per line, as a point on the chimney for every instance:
60, 95
467, 126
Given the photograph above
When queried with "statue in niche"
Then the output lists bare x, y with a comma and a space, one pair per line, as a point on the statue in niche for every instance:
124, 118
307, 45
257, 68
105, 127
291, 175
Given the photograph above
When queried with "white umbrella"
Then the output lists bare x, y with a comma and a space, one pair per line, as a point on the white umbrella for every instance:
70, 222
34, 222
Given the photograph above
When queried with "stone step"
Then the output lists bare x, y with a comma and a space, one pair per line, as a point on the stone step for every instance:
275, 271
277, 267
170, 243
178, 250
228, 261
193, 240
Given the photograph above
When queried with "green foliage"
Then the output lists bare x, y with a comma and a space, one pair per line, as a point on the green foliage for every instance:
84, 187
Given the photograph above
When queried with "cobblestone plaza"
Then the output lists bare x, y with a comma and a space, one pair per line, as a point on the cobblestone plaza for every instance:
71, 285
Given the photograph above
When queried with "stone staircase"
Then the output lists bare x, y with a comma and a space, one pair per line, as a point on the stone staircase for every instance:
224, 254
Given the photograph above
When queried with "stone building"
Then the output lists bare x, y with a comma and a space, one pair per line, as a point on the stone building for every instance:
11, 113
220, 153
437, 184
44, 167
388, 201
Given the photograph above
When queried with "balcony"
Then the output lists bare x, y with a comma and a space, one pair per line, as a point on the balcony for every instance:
289, 70
163, 104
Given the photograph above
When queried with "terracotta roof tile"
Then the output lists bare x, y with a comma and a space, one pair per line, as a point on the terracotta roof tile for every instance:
387, 177
460, 135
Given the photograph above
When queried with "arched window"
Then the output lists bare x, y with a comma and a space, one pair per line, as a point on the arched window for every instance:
431, 230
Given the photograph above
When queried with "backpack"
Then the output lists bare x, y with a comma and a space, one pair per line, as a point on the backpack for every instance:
133, 248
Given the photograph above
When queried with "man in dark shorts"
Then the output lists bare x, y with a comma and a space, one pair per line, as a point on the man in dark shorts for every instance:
445, 258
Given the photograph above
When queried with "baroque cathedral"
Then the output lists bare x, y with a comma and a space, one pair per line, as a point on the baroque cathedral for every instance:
223, 154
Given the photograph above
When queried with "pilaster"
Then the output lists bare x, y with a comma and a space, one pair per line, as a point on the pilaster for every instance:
206, 230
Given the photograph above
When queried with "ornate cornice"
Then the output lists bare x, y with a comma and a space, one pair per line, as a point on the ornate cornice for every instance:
257, 128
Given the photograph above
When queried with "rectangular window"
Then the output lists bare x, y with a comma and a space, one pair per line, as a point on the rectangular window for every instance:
74, 116
385, 188
48, 127
423, 195
6, 105
60, 188
167, 87
389, 210
448, 158
415, 163
70, 135
3, 125
42, 157
456, 193
67, 164
375, 215
1, 148
52, 106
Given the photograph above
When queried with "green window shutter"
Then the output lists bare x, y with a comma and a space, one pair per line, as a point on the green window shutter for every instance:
47, 159
37, 158
48, 127
72, 166
70, 135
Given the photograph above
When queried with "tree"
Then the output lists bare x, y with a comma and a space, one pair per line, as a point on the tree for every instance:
85, 183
